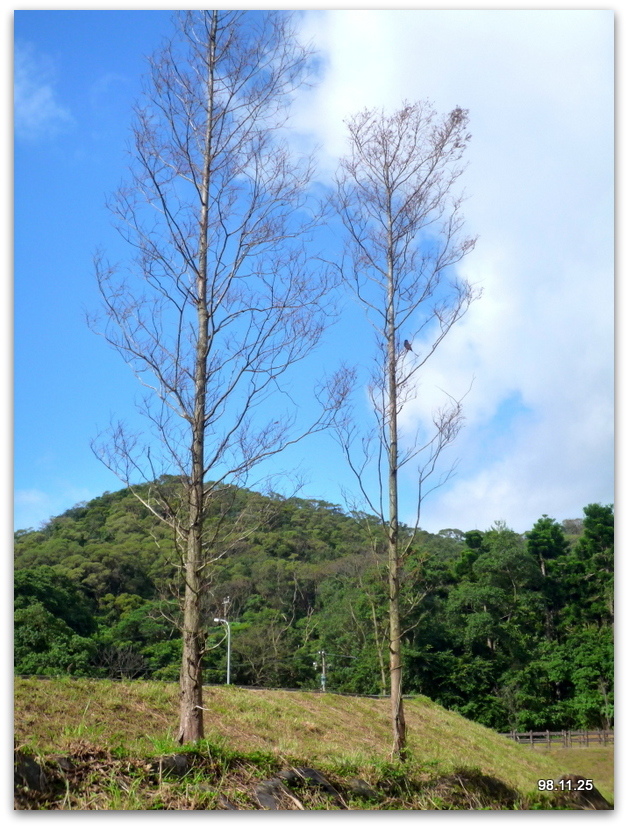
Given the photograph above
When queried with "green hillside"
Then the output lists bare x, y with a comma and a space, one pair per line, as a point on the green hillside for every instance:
512, 631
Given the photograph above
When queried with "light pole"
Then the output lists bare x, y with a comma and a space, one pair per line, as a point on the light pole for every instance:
224, 621
322, 654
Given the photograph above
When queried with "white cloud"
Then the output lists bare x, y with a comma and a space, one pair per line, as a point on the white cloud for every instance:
32, 507
38, 112
539, 87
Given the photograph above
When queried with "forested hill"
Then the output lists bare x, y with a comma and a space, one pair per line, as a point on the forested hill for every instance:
514, 631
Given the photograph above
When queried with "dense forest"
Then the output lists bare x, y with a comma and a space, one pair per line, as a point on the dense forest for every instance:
513, 631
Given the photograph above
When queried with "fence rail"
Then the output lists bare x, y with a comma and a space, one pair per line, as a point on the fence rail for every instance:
565, 738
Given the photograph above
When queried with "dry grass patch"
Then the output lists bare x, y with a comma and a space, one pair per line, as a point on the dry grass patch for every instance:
50, 714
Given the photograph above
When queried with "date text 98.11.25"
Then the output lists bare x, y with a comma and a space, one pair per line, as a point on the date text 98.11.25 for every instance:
565, 785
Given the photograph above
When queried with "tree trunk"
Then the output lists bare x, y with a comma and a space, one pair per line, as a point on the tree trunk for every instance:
396, 690
191, 681
191, 678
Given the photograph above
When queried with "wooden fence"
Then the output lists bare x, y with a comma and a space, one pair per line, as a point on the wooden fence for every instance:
563, 738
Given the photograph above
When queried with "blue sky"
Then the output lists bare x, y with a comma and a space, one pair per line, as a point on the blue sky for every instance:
539, 344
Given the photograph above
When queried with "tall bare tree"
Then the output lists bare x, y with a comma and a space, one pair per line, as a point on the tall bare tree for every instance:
219, 301
395, 196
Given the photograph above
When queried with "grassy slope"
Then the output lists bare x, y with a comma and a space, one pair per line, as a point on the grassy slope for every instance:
595, 763
313, 728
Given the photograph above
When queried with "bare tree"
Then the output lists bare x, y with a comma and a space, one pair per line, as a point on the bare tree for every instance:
121, 662
220, 300
395, 197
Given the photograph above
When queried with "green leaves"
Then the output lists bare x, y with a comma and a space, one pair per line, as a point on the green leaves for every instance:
46, 645
57, 594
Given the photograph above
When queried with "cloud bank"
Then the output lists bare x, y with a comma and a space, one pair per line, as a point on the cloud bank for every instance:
539, 87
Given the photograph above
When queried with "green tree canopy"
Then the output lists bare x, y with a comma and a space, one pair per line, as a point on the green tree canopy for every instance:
57, 594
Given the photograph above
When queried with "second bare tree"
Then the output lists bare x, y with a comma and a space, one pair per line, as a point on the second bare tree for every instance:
395, 197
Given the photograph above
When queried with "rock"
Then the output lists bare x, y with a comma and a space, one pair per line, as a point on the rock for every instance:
358, 787
225, 804
176, 764
27, 772
290, 775
311, 776
271, 795
571, 791
64, 763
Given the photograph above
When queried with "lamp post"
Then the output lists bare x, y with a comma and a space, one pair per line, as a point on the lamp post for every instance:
324, 671
228, 625
323, 654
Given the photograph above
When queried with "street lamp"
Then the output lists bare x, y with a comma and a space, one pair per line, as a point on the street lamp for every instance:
224, 621
322, 654
324, 665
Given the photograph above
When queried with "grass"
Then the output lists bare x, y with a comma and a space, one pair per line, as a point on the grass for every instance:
596, 763
252, 733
